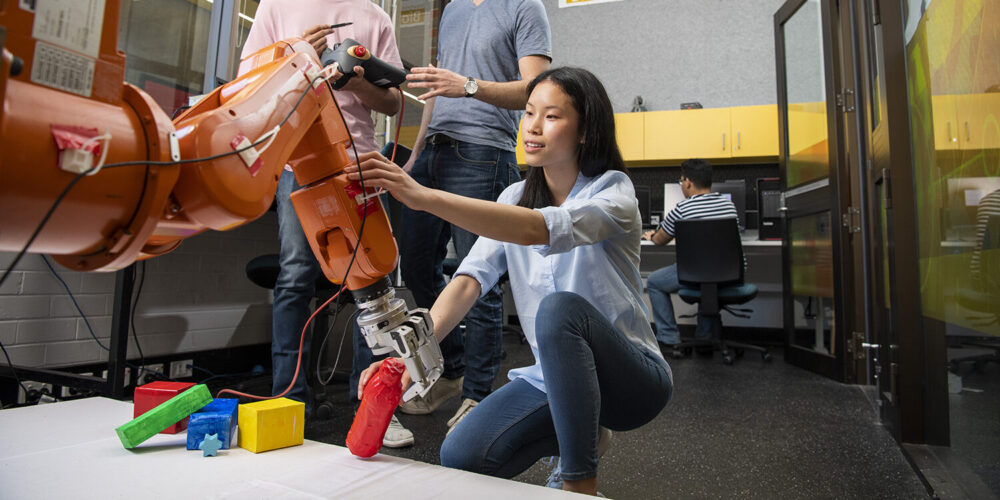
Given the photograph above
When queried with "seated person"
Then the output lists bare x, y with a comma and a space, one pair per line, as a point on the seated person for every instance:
568, 236
699, 203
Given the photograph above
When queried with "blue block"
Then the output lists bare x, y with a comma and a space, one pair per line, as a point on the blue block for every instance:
218, 417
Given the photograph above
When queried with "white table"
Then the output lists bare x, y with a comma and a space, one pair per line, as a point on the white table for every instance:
70, 450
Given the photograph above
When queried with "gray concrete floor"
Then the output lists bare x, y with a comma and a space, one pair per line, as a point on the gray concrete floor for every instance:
752, 430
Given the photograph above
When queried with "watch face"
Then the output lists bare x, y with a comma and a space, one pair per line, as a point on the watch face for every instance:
471, 87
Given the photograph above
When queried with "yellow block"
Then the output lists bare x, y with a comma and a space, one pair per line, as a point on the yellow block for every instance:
271, 424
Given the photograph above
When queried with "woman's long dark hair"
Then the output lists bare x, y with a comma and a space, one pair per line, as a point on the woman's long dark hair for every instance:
599, 151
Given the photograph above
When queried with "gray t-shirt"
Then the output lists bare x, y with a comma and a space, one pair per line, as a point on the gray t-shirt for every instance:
485, 42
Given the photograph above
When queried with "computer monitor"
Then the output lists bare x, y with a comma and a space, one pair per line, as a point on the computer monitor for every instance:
672, 195
642, 196
736, 191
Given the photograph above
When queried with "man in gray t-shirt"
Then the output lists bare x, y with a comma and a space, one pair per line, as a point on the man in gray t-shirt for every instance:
488, 51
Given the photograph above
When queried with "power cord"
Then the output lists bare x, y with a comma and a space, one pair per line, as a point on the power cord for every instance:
322, 348
138, 369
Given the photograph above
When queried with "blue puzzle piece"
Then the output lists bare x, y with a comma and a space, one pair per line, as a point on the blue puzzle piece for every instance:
210, 445
219, 417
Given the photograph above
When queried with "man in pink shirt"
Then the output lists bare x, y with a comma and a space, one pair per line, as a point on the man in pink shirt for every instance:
295, 287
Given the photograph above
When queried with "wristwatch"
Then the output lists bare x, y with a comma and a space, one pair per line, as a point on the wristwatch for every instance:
471, 86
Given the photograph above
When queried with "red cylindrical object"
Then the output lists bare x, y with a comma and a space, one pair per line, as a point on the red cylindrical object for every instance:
378, 402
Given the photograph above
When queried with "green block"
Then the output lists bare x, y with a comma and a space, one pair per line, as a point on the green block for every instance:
148, 424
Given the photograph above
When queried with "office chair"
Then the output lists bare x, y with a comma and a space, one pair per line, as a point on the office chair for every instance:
982, 296
710, 271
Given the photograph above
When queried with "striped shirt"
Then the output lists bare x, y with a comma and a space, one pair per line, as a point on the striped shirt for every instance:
699, 206
989, 205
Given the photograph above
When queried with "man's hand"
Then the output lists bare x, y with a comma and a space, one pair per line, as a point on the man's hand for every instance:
316, 36
648, 235
440, 82
353, 83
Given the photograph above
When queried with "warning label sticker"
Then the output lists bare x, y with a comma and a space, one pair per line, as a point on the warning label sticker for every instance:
62, 69
71, 24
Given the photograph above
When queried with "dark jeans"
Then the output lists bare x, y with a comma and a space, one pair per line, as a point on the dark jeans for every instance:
293, 291
593, 376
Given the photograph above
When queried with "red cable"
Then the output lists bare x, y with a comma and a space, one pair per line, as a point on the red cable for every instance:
302, 338
298, 361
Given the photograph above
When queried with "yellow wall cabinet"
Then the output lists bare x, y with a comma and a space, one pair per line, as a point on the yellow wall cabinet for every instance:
967, 122
945, 113
688, 133
978, 120
754, 131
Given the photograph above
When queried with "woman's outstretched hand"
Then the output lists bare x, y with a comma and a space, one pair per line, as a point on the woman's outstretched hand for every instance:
370, 372
380, 172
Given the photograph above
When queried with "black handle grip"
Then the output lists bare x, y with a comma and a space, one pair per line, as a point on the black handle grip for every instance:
350, 53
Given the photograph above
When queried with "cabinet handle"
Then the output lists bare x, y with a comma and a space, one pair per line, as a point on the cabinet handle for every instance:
723, 141
738, 141
967, 136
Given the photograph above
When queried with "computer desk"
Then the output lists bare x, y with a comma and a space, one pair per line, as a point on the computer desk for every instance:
70, 450
763, 270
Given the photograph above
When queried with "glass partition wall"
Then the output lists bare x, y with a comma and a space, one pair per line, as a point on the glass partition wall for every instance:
952, 49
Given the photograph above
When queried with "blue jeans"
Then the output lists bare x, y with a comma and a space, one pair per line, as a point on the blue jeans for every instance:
474, 171
293, 292
659, 285
593, 376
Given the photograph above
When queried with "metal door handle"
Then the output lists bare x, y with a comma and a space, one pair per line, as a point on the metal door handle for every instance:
723, 141
738, 141
866, 345
967, 136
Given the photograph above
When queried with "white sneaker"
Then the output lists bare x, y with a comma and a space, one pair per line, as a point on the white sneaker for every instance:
397, 436
442, 390
463, 410
603, 443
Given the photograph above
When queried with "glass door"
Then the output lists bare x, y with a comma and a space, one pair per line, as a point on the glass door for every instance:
813, 261
937, 80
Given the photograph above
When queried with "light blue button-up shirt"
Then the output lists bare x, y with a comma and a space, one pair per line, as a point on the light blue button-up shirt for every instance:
593, 251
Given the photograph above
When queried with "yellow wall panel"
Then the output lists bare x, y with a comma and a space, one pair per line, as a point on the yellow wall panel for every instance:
629, 130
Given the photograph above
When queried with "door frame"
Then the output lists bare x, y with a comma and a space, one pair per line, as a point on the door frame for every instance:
817, 197
919, 413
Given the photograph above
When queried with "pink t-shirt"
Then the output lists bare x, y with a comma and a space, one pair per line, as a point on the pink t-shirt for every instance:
280, 19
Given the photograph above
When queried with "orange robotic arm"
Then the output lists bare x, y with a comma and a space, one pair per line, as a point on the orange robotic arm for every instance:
153, 182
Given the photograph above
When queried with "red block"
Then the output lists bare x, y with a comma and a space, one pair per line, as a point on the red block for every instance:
151, 395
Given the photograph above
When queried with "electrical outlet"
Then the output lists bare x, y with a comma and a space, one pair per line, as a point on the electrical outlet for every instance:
181, 369
149, 373
37, 389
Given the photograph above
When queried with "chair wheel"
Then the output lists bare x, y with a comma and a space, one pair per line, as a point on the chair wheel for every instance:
727, 360
766, 356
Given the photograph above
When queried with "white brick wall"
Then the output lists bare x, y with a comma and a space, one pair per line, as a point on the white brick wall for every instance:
194, 299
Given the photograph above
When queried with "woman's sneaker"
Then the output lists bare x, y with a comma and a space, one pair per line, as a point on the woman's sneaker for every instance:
603, 444
397, 436
467, 405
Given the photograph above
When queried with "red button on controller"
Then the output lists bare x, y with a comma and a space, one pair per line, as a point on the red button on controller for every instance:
359, 51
